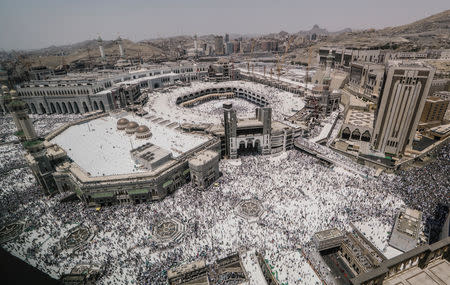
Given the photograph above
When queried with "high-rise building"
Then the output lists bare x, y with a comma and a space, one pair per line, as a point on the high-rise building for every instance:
227, 38
209, 49
236, 46
433, 112
219, 45
269, 45
400, 106
229, 48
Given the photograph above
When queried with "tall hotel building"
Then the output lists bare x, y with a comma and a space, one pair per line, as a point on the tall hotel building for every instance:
400, 107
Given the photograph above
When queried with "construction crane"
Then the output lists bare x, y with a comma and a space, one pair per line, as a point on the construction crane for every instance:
281, 62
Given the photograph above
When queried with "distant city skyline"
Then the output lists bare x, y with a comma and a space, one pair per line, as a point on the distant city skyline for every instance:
26, 24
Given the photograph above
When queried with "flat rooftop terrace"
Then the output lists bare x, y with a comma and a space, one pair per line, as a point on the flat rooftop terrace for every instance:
328, 234
360, 118
437, 272
100, 149
406, 230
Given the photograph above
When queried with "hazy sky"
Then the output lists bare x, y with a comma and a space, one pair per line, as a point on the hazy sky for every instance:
28, 24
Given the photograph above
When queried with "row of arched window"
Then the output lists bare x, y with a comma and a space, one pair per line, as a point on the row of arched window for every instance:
356, 135
241, 93
57, 92
64, 107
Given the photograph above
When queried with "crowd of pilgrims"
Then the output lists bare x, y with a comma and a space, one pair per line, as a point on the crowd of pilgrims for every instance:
42, 123
11, 158
299, 195
427, 188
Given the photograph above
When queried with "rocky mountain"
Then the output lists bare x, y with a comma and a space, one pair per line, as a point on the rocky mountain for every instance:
322, 31
430, 32
87, 50
435, 24
346, 30
314, 30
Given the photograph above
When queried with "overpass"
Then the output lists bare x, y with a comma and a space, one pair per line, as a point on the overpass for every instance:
327, 155
313, 149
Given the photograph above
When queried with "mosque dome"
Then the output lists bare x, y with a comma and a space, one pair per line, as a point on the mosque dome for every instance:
131, 127
143, 132
142, 129
122, 123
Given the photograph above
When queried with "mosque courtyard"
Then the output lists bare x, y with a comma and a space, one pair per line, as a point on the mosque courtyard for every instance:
269, 204
292, 196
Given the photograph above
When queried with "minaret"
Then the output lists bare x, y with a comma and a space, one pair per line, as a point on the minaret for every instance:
195, 45
327, 76
119, 42
5, 99
100, 46
40, 163
230, 125
20, 116
264, 115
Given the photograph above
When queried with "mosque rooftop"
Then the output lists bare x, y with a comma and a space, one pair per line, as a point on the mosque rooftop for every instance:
101, 150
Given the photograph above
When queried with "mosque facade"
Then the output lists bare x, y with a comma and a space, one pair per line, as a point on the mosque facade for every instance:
104, 90
56, 172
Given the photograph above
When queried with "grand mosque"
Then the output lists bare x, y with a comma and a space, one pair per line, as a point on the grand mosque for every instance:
115, 155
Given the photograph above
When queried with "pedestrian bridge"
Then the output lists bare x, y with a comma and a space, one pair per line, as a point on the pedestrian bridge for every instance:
305, 146
327, 155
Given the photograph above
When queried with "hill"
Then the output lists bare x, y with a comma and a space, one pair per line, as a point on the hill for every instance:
435, 24
432, 32
88, 50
